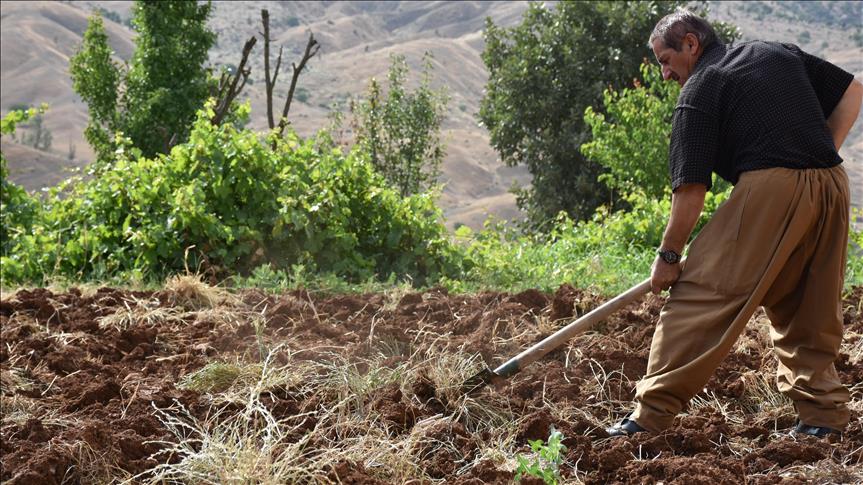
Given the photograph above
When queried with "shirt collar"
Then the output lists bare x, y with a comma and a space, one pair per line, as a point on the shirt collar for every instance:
711, 55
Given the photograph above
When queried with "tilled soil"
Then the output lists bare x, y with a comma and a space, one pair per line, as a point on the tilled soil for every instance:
76, 392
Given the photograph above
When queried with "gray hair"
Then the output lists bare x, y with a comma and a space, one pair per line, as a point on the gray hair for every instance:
672, 28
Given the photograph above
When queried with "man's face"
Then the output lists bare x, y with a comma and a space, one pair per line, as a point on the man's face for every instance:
677, 65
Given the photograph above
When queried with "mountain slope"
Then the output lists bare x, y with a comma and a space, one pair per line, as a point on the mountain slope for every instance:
357, 40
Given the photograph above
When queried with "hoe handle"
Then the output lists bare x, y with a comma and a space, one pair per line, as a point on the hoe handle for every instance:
560, 337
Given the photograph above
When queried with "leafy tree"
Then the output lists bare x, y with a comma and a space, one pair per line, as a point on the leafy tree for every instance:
153, 102
630, 140
96, 78
17, 208
543, 73
38, 135
401, 129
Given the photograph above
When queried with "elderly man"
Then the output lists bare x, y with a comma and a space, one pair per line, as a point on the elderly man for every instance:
770, 119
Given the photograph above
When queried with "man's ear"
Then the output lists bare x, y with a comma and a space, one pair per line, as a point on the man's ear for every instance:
691, 40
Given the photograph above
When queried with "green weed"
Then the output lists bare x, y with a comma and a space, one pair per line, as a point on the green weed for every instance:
545, 463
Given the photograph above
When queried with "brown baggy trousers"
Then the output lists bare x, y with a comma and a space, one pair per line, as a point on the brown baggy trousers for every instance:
779, 241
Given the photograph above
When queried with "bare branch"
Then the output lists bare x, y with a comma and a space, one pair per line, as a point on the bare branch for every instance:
224, 102
265, 20
278, 65
312, 48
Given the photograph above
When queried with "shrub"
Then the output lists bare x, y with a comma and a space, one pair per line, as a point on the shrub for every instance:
230, 202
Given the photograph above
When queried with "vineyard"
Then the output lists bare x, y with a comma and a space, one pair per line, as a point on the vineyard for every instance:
196, 384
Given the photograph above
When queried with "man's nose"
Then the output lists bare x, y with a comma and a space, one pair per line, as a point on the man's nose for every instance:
666, 73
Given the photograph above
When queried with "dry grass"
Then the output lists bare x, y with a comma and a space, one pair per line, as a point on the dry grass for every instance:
90, 466
762, 402
395, 294
192, 293
852, 344
234, 381
140, 312
251, 446
385, 455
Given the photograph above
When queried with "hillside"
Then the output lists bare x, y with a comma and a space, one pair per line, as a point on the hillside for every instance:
357, 39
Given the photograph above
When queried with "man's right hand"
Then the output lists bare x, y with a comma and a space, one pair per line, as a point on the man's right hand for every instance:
663, 275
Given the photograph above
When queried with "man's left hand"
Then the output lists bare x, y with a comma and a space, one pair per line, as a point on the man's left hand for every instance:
663, 275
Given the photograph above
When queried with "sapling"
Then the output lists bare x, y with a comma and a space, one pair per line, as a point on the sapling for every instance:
546, 459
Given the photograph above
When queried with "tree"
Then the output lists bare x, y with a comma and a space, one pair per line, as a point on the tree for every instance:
401, 129
96, 78
630, 140
167, 81
153, 102
543, 73
17, 208
38, 135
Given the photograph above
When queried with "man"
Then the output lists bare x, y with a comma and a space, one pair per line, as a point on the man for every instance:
770, 119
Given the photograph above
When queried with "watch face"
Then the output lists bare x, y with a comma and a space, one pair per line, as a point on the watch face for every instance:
670, 257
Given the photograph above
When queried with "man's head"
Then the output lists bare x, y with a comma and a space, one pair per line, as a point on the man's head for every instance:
678, 40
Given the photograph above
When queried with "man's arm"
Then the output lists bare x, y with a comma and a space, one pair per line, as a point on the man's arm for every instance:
686, 205
845, 114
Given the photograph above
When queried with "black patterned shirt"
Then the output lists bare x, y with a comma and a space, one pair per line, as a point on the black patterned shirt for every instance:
752, 106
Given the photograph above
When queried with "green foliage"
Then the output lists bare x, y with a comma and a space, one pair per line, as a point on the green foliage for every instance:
96, 78
154, 102
18, 115
302, 95
401, 130
38, 136
547, 459
857, 36
631, 139
236, 203
18, 210
543, 74
607, 254
854, 266
505, 259
843, 15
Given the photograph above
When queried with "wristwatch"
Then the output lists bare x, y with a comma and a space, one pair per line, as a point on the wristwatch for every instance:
670, 256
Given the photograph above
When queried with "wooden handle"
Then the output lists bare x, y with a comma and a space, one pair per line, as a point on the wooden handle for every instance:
558, 338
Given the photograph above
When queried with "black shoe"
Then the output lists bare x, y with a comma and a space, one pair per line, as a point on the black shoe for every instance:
625, 427
816, 431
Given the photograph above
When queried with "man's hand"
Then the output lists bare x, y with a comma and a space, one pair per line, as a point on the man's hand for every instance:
686, 204
663, 275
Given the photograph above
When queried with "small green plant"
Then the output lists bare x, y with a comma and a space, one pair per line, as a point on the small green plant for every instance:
546, 459
400, 129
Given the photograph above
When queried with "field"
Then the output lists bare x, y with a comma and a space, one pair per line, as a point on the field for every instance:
196, 384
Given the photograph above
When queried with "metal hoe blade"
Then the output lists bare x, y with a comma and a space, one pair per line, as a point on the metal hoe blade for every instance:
480, 380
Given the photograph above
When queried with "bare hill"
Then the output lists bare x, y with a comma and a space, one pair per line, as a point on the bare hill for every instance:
357, 39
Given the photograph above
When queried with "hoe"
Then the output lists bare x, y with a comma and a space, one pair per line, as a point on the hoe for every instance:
553, 341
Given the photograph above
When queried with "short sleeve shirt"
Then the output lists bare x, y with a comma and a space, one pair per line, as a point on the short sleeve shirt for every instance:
753, 106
